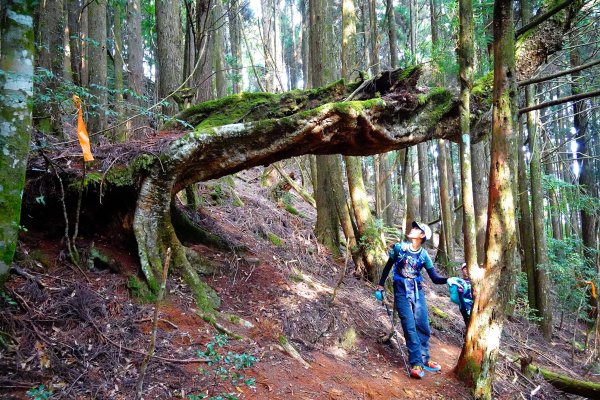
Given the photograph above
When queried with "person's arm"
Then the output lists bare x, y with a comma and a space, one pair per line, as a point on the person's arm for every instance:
386, 271
435, 278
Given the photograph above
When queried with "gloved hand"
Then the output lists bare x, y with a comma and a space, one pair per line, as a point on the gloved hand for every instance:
379, 295
455, 281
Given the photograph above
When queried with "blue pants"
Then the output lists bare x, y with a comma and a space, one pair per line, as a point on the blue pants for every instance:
415, 324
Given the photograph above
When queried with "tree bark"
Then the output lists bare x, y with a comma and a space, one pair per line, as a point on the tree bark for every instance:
526, 229
586, 178
73, 13
219, 49
120, 132
372, 247
374, 36
465, 59
236, 43
170, 51
135, 63
479, 355
98, 71
50, 31
348, 39
16, 60
480, 159
390, 15
424, 182
445, 205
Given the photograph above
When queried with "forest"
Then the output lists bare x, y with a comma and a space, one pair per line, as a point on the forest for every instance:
198, 198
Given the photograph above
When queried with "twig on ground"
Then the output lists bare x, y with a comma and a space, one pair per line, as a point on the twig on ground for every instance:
146, 361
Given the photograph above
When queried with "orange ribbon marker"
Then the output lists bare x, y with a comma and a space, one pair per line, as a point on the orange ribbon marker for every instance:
82, 134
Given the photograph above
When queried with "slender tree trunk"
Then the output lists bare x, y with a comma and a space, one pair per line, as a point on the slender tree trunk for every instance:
170, 50
424, 182
348, 39
446, 206
205, 39
586, 178
477, 361
236, 43
526, 229
372, 247
135, 63
388, 206
341, 205
374, 36
16, 57
537, 208
121, 133
326, 228
412, 197
413, 11
465, 59
390, 15
84, 46
219, 50
98, 71
73, 10
50, 32
377, 186
480, 172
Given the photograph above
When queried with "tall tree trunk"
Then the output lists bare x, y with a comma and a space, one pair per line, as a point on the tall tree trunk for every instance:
445, 205
348, 39
537, 212
424, 182
84, 46
341, 205
73, 12
542, 302
219, 50
326, 228
372, 245
120, 132
412, 196
205, 41
377, 186
135, 63
480, 158
390, 15
386, 173
16, 57
235, 23
374, 36
170, 51
413, 11
526, 229
586, 176
50, 32
98, 71
478, 358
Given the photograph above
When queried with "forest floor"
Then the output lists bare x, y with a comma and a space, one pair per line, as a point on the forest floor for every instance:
83, 335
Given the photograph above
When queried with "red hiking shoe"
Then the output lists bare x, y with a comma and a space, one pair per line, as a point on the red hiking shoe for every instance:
417, 372
432, 366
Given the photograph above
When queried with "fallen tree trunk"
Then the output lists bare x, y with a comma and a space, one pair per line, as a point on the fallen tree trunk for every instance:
238, 132
567, 384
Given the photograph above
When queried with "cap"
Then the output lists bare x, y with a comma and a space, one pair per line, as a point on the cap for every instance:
422, 226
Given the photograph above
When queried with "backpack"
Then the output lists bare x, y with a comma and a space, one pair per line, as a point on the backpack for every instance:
453, 284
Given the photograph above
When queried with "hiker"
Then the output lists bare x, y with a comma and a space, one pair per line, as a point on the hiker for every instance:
408, 259
461, 293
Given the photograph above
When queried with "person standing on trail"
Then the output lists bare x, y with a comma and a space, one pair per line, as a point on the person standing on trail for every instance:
461, 293
408, 259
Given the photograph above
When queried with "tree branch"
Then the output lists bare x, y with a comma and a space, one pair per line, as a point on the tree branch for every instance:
562, 100
559, 74
543, 17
